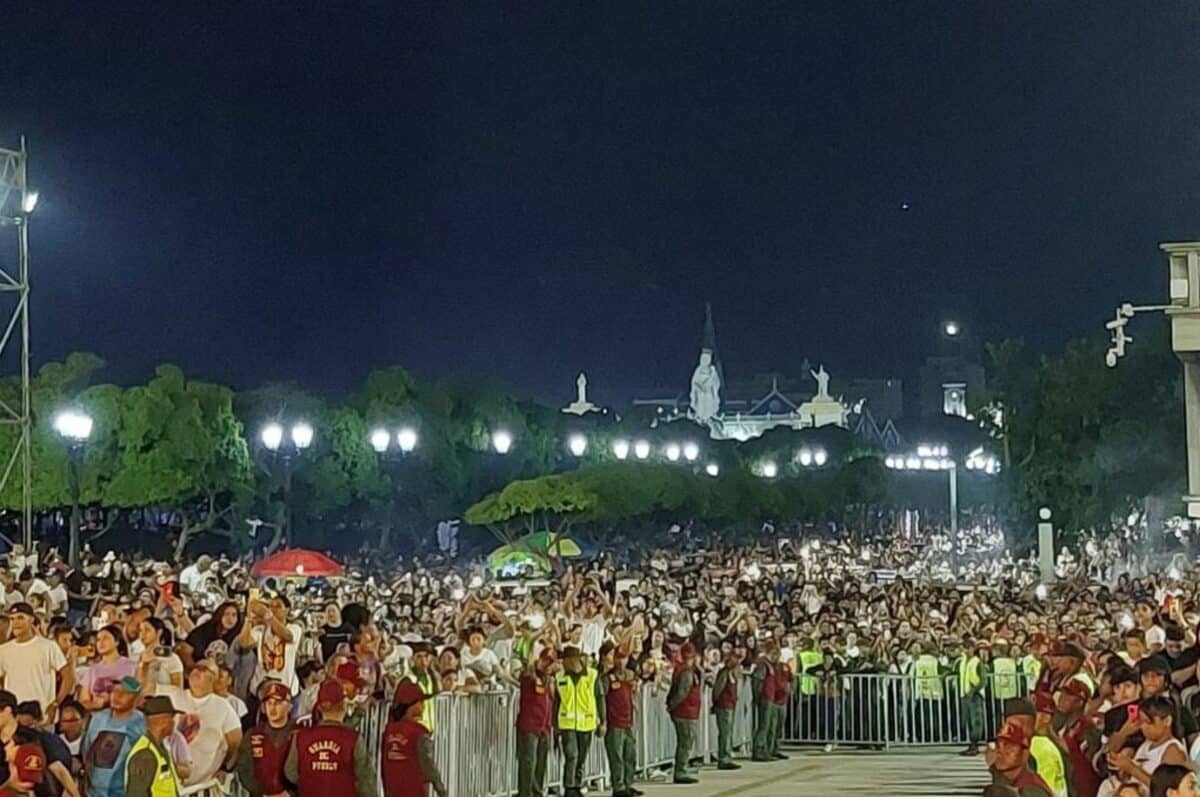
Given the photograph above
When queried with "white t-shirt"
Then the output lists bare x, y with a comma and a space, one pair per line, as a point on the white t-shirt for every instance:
204, 723
28, 669
161, 670
239, 707
485, 665
57, 597
593, 635
192, 579
276, 658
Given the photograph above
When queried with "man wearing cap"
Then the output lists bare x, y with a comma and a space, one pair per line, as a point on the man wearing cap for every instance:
683, 704
420, 672
408, 764
1080, 737
619, 685
111, 734
353, 684
579, 705
1011, 765
330, 758
149, 771
724, 702
58, 757
763, 680
30, 664
535, 700
264, 748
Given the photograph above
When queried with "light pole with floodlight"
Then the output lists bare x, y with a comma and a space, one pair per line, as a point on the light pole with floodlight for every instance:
75, 428
282, 453
393, 456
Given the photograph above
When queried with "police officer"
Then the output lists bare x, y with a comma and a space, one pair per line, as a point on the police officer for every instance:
149, 770
763, 680
724, 700
683, 704
330, 757
618, 685
264, 748
408, 765
534, 702
579, 707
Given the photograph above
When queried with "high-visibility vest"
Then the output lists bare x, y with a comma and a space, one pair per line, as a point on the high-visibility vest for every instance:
428, 688
929, 682
166, 781
968, 674
1031, 667
577, 701
1050, 766
808, 660
1006, 678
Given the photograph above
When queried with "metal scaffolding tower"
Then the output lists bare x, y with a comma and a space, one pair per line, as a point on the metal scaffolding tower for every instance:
17, 202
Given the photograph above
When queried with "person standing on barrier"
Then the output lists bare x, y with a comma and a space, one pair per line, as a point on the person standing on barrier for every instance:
407, 753
618, 685
579, 705
535, 699
330, 758
683, 704
783, 696
763, 680
971, 675
264, 748
724, 702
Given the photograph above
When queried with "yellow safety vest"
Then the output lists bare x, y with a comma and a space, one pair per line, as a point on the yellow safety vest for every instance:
808, 660
1032, 668
1006, 678
577, 701
1049, 764
929, 682
968, 674
428, 688
166, 781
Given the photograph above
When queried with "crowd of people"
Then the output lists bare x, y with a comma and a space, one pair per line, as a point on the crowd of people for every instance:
129, 676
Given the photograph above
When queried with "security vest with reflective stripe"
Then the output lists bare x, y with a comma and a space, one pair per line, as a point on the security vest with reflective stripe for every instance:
1050, 766
808, 660
929, 682
577, 701
969, 677
1032, 669
429, 689
166, 781
1005, 670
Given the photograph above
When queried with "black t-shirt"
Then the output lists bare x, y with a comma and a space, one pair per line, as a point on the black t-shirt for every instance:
77, 583
331, 637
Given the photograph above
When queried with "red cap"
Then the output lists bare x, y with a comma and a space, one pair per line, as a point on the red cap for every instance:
348, 671
1013, 734
1077, 688
330, 694
276, 691
1044, 703
1037, 638
407, 694
30, 763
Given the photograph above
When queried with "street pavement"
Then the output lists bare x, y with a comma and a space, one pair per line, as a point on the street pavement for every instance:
812, 773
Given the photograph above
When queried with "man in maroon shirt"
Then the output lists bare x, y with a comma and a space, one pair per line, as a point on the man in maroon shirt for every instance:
265, 747
407, 762
534, 723
1011, 767
618, 684
683, 704
331, 757
725, 693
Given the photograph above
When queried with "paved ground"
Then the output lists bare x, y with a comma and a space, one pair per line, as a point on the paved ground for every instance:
939, 773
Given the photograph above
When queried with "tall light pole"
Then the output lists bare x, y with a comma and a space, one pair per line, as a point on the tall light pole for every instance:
75, 428
936, 458
282, 452
393, 457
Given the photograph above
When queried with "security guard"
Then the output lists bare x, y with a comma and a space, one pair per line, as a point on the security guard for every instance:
619, 686
265, 747
764, 700
149, 770
330, 757
783, 696
579, 705
1031, 663
408, 765
420, 672
724, 701
535, 699
683, 704
970, 672
927, 683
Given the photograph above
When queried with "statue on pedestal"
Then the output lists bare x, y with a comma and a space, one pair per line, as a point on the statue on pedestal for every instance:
822, 378
706, 388
581, 405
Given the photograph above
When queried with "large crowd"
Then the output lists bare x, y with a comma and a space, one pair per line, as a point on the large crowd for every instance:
132, 677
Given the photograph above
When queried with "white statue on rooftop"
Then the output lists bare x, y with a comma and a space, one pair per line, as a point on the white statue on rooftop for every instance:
706, 388
822, 378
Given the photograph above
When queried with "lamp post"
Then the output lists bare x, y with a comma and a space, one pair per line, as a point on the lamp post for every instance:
74, 427
283, 452
935, 458
393, 458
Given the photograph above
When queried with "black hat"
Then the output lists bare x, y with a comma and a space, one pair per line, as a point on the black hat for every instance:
1019, 707
1158, 664
30, 708
159, 704
21, 608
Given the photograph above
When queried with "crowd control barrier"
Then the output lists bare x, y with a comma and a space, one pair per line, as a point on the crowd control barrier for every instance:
874, 711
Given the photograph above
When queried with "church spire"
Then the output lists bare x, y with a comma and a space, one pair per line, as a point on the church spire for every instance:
709, 339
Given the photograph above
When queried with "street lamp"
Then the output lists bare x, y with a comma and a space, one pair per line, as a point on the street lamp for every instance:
712, 469
820, 458
283, 452
620, 448
951, 329
272, 436
501, 441
673, 452
29, 202
74, 427
770, 470
578, 444
381, 441
691, 451
641, 449
806, 457
406, 438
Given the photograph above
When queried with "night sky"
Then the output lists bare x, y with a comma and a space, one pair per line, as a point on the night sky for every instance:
267, 191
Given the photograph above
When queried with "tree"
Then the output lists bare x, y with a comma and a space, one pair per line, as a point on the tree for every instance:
548, 503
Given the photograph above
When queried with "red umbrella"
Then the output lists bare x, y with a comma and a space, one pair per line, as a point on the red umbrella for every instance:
297, 562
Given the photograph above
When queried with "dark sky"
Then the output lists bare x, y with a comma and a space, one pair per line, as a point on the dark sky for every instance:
523, 190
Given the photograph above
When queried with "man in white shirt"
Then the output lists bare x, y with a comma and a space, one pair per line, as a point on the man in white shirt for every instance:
208, 722
276, 640
30, 663
193, 577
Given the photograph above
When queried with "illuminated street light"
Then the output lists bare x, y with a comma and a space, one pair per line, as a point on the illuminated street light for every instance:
691, 451
641, 449
75, 426
951, 328
621, 449
673, 452
770, 470
406, 438
302, 436
272, 436
501, 441
380, 439
820, 458
806, 457
912, 463
29, 202
712, 469
578, 444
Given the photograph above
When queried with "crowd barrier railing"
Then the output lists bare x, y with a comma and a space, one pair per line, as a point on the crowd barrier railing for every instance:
873, 710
